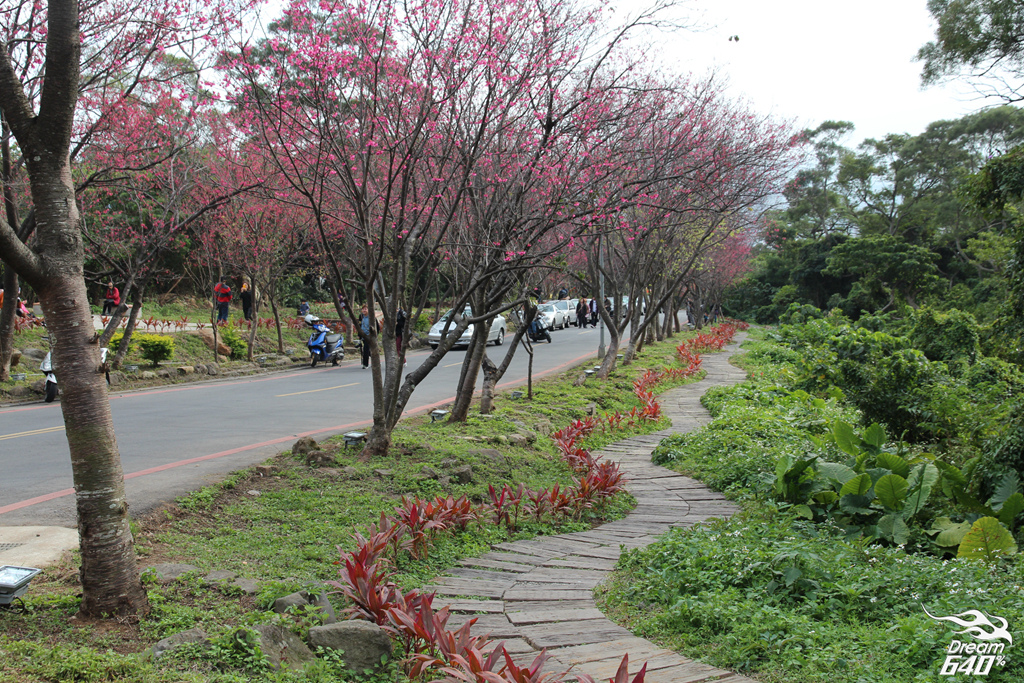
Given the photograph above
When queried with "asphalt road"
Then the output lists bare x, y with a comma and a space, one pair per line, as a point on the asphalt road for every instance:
176, 439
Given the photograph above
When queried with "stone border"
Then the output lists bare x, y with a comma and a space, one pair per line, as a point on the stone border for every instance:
538, 594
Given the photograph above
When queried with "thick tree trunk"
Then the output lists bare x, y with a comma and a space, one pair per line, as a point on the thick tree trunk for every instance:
7, 315
470, 372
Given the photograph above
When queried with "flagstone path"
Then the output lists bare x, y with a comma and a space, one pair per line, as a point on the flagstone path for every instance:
537, 594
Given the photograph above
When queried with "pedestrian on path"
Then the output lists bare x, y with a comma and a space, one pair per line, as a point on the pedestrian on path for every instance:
364, 325
111, 299
593, 312
582, 311
246, 297
223, 293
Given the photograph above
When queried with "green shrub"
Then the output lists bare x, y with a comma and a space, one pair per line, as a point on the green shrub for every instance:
946, 336
229, 337
155, 347
115, 342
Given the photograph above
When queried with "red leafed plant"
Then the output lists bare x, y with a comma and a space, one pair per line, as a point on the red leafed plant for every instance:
364, 581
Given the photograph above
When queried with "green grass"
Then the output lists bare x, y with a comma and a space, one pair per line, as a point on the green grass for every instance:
288, 538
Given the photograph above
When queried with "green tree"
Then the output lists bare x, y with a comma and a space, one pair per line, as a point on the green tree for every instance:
979, 40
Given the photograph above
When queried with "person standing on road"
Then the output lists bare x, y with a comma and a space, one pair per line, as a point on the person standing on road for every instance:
111, 299
246, 297
582, 310
222, 292
364, 325
593, 312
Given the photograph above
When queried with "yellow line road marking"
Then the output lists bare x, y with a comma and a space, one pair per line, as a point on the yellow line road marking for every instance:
313, 391
33, 432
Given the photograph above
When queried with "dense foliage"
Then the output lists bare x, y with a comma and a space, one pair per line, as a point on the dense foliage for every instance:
879, 465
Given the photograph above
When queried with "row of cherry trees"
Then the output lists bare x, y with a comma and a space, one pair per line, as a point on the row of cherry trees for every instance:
480, 143
407, 147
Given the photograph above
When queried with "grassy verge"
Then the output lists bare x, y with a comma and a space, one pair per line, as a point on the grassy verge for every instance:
786, 599
282, 524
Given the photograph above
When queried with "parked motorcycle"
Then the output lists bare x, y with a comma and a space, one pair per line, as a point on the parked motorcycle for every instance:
323, 346
537, 332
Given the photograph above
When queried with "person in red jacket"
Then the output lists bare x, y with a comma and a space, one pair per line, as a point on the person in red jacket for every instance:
112, 298
223, 293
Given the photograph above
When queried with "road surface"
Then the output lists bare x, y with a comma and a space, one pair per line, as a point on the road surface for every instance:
178, 438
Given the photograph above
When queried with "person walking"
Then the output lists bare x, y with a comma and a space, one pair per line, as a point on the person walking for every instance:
364, 325
582, 310
111, 298
246, 297
303, 308
222, 292
593, 312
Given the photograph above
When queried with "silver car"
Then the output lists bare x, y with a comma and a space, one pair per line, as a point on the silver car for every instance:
564, 312
550, 317
496, 335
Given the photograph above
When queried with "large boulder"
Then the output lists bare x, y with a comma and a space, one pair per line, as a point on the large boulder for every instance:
284, 649
363, 644
207, 337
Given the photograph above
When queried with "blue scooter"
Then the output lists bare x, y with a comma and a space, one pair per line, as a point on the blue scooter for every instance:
323, 346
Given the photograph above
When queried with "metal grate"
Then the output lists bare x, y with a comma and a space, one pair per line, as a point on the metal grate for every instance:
9, 546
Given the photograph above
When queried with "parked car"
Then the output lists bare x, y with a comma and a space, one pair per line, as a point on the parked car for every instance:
566, 309
496, 335
555, 317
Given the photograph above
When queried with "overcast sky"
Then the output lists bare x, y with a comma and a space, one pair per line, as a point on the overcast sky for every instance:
813, 60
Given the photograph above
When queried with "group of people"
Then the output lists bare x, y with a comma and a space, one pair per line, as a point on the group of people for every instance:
222, 293
587, 312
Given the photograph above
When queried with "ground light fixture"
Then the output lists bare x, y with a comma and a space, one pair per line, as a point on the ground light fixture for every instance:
13, 584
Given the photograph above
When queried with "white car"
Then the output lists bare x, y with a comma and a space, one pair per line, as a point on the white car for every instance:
550, 317
565, 312
496, 335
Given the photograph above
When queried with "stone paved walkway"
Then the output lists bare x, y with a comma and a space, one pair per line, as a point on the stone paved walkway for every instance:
537, 594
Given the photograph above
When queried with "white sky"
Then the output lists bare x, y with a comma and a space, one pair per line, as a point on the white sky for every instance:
813, 60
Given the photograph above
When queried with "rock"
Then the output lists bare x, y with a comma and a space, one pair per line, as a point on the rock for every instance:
363, 645
580, 381
333, 472
414, 342
190, 637
517, 440
302, 598
163, 372
591, 408
148, 374
284, 649
39, 386
20, 391
212, 369
247, 586
290, 351
186, 370
449, 463
15, 357
170, 571
265, 470
463, 475
531, 437
283, 361
489, 453
383, 474
445, 480
207, 337
116, 378
501, 439
319, 459
304, 446
544, 427
429, 472
253, 492
350, 472
35, 354
220, 576
201, 369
